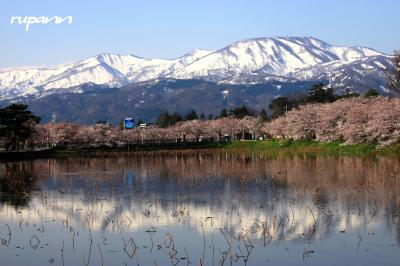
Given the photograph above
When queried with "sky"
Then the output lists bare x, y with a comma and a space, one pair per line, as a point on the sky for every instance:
171, 28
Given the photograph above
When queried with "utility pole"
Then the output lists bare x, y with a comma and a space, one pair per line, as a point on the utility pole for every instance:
53, 118
52, 124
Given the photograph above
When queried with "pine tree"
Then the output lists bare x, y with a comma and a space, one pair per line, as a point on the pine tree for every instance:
318, 94
175, 118
164, 119
240, 112
263, 116
371, 93
192, 115
224, 113
279, 106
17, 124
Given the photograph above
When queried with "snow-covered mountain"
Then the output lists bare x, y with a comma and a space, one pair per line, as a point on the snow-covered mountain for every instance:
249, 61
274, 56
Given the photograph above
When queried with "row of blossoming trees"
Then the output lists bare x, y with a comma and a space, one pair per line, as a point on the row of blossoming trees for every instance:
352, 120
68, 134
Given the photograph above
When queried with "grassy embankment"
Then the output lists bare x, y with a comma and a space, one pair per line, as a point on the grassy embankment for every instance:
268, 147
276, 147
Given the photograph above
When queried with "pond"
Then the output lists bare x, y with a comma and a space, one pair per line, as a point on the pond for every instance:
200, 208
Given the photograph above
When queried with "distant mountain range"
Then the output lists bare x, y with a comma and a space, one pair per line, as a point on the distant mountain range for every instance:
146, 99
268, 63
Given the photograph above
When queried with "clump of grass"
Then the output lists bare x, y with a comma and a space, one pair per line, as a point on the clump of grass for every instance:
287, 146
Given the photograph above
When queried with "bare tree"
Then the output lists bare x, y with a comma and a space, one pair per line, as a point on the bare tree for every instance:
393, 73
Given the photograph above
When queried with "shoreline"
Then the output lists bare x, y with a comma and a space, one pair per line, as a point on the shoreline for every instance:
271, 148
93, 151
276, 147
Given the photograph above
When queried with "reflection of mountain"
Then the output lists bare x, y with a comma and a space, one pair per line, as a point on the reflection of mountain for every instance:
292, 198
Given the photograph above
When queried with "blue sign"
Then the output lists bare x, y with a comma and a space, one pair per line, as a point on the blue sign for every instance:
129, 123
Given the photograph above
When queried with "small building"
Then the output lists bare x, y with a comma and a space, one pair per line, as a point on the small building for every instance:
129, 123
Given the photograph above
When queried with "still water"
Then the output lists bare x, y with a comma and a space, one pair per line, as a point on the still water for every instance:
200, 208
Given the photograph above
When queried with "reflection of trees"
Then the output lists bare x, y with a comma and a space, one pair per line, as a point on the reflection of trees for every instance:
189, 169
16, 183
194, 170
285, 195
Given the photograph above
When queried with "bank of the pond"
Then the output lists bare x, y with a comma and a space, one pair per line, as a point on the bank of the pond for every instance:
276, 147
139, 148
99, 151
269, 147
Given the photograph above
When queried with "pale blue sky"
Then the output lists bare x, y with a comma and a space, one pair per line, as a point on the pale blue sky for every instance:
168, 29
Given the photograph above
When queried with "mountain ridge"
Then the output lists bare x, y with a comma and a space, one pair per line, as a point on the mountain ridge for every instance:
250, 61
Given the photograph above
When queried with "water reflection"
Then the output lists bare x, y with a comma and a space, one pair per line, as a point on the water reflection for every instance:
208, 208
